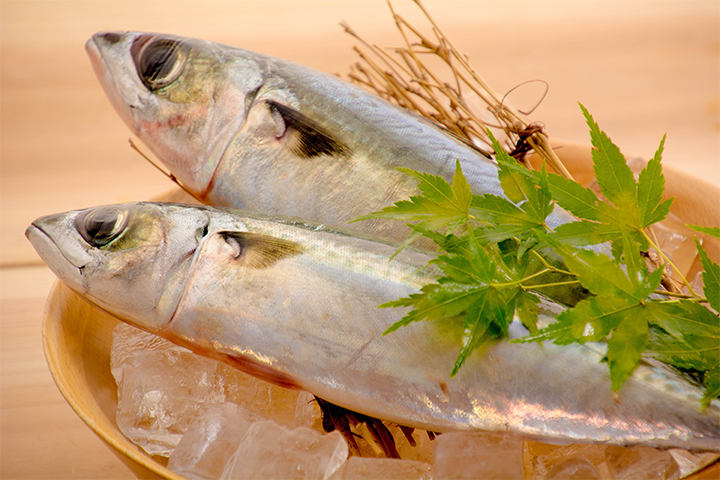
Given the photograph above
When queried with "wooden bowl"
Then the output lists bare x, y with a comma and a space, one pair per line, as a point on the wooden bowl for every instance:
77, 339
77, 336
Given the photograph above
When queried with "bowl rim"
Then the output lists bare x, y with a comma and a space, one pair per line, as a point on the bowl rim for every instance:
129, 453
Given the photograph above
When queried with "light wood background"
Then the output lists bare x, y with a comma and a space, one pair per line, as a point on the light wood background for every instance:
643, 68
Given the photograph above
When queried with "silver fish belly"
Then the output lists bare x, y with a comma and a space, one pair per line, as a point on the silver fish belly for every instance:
296, 304
246, 130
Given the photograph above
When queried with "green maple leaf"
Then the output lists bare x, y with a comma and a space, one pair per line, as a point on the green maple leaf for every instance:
436, 301
586, 233
527, 309
591, 320
441, 205
712, 231
466, 280
468, 290
523, 186
490, 306
617, 313
580, 201
526, 207
650, 188
495, 209
632, 205
712, 386
529, 199
476, 268
489, 271
626, 346
636, 268
605, 277
711, 278
612, 173
688, 335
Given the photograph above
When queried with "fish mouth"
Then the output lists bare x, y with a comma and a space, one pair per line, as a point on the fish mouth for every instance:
67, 266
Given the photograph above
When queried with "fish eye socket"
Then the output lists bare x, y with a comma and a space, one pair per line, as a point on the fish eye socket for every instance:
203, 232
100, 226
160, 62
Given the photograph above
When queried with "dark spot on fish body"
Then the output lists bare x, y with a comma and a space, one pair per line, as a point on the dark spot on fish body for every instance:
443, 386
306, 138
260, 251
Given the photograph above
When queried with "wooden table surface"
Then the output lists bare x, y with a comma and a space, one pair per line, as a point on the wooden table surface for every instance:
642, 68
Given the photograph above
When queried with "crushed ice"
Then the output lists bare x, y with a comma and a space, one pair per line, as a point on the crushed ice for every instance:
215, 422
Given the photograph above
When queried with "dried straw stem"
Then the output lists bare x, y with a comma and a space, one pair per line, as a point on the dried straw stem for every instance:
400, 75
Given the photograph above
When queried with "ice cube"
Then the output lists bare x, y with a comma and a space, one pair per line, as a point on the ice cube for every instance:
487, 455
692, 462
270, 450
574, 469
640, 463
565, 459
307, 412
208, 445
357, 468
157, 401
263, 398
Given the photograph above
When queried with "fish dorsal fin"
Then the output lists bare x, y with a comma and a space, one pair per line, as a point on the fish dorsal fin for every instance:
260, 251
307, 138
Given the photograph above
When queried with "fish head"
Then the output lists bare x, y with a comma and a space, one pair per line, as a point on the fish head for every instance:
184, 98
131, 260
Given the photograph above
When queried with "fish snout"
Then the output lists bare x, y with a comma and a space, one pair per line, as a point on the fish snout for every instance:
55, 236
101, 42
67, 264
111, 37
110, 56
107, 39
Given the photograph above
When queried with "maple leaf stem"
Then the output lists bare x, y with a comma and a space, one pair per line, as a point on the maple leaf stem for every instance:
544, 285
549, 267
667, 281
681, 295
668, 262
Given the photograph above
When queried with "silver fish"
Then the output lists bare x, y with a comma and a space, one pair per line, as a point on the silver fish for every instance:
295, 304
246, 130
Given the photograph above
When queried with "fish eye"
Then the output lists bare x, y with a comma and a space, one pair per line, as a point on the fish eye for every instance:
100, 226
159, 62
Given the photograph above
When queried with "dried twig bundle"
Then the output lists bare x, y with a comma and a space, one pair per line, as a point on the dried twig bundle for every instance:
403, 76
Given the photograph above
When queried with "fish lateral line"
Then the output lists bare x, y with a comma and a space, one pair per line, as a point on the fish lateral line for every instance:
307, 138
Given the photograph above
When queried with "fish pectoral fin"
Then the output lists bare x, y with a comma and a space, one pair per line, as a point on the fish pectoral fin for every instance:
260, 251
306, 137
